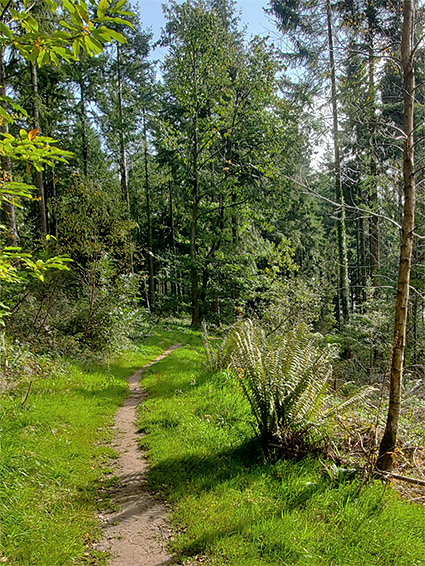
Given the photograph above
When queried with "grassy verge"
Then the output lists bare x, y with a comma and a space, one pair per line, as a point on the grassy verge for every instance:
233, 509
55, 453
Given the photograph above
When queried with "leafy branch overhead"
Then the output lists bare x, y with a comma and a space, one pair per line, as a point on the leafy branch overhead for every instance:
82, 28
32, 148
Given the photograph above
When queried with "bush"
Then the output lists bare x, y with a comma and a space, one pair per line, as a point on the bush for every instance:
285, 380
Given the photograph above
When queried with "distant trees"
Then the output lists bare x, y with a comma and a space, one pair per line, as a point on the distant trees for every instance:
218, 125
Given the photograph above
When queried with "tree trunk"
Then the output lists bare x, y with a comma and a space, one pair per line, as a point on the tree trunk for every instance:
151, 275
389, 439
39, 181
373, 180
362, 258
342, 232
194, 274
414, 315
83, 120
53, 206
173, 283
7, 208
123, 157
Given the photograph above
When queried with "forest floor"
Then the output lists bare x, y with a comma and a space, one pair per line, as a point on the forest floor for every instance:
136, 532
225, 505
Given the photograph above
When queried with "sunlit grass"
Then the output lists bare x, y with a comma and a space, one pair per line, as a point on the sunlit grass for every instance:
234, 509
56, 457
230, 506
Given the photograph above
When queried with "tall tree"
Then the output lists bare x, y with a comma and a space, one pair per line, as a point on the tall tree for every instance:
309, 28
195, 72
408, 50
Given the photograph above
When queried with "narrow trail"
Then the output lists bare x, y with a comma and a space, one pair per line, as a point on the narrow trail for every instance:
136, 534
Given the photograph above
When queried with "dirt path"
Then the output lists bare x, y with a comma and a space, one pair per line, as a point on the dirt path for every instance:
135, 535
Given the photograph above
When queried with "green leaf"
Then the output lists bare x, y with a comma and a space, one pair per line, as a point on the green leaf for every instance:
6, 31
102, 8
33, 23
82, 10
66, 25
76, 47
93, 45
118, 21
70, 6
117, 36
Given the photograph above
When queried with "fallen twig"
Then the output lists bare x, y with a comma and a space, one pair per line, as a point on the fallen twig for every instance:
414, 481
25, 399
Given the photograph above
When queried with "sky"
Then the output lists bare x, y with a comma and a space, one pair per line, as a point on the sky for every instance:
251, 11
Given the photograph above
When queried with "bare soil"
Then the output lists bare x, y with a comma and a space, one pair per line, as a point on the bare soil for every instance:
136, 534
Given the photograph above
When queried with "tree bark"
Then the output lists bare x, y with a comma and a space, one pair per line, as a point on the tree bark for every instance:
53, 206
83, 119
39, 180
8, 208
173, 283
151, 274
389, 439
362, 260
123, 157
341, 228
373, 180
194, 273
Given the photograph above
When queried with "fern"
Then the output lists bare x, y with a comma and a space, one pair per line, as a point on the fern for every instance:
285, 382
219, 357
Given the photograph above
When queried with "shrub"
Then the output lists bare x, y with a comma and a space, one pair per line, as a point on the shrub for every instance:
286, 383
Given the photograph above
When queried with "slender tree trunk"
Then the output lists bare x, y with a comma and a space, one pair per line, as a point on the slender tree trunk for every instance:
8, 209
123, 156
373, 179
172, 241
414, 315
39, 181
53, 206
342, 232
83, 120
363, 269
93, 290
194, 276
151, 273
389, 439
196, 310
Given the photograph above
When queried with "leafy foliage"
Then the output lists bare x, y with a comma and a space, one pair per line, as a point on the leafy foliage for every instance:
286, 381
219, 357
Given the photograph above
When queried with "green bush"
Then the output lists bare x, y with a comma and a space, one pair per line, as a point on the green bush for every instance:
286, 381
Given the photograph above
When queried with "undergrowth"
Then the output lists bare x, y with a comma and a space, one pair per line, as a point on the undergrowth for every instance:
232, 508
56, 455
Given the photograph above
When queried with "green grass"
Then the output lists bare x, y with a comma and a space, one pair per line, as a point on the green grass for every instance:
233, 509
55, 458
229, 506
